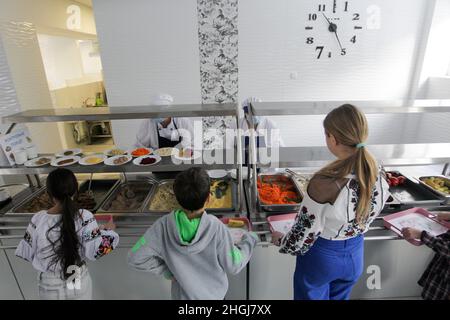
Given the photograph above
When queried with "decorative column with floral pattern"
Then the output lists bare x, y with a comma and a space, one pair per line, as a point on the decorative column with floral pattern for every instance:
218, 44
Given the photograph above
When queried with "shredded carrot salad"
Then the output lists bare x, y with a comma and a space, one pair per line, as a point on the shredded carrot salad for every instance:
277, 192
140, 152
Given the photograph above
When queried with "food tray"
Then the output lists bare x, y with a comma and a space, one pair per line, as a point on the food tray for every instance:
144, 187
417, 218
412, 193
234, 199
238, 233
100, 189
281, 223
281, 207
441, 194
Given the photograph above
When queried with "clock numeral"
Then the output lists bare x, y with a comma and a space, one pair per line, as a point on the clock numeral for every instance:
329, 54
343, 52
355, 16
320, 48
310, 40
353, 39
312, 17
322, 7
346, 6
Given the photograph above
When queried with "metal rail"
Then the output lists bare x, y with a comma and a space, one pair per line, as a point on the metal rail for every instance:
122, 113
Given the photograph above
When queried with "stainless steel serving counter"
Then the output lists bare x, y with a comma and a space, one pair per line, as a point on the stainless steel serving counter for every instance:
270, 274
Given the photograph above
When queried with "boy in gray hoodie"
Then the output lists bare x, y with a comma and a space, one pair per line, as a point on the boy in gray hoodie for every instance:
191, 247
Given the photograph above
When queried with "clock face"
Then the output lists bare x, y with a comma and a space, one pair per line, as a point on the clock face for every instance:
333, 27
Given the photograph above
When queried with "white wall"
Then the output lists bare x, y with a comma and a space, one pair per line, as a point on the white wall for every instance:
143, 54
67, 60
19, 22
62, 60
147, 47
272, 44
28, 75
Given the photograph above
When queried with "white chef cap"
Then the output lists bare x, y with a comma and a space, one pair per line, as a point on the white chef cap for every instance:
162, 99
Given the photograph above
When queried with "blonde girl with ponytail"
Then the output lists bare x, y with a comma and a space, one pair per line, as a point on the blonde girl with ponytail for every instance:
341, 202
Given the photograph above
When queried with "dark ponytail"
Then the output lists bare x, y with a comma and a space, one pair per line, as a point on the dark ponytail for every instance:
62, 186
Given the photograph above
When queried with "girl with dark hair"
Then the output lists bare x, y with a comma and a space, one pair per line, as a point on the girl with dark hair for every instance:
59, 240
341, 202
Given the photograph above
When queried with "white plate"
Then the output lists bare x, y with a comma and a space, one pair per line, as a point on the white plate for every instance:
75, 159
84, 162
167, 151
137, 161
196, 154
107, 152
216, 174
32, 163
75, 152
131, 150
110, 161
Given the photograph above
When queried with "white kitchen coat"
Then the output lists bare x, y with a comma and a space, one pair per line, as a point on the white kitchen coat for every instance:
147, 135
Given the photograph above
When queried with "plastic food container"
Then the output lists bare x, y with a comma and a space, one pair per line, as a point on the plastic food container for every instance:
417, 218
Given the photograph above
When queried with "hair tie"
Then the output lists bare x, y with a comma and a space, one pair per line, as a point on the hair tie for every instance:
360, 145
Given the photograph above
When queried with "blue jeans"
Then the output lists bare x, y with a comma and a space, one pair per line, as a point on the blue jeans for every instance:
329, 270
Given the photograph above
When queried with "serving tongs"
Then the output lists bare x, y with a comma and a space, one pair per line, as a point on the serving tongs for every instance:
293, 173
153, 180
89, 191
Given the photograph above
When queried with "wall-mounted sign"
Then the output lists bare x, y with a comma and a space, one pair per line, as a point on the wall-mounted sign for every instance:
14, 141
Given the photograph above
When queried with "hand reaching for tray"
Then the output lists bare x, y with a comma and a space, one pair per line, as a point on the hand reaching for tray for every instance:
411, 233
276, 238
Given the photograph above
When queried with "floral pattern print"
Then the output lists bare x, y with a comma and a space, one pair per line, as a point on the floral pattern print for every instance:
105, 247
90, 235
353, 228
86, 222
299, 240
27, 238
218, 43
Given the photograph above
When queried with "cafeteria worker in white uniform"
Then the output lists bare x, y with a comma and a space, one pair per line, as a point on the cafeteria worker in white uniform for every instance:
165, 132
263, 128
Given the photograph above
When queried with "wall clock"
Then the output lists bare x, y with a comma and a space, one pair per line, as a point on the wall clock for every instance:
333, 27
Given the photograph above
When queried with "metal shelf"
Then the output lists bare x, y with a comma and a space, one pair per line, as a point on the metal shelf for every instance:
368, 107
122, 113
387, 155
165, 165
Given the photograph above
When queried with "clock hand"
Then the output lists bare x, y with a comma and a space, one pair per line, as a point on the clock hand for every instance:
329, 22
338, 40
333, 28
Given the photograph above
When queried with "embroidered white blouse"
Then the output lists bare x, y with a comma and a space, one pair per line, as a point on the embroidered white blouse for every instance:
332, 221
37, 249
